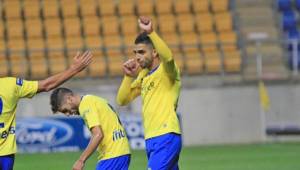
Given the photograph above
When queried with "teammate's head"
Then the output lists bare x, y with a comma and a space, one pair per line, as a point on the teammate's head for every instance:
65, 101
144, 51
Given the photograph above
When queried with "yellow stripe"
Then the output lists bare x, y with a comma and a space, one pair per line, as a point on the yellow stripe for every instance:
264, 96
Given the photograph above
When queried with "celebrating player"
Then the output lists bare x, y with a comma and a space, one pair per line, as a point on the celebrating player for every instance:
107, 133
154, 75
12, 89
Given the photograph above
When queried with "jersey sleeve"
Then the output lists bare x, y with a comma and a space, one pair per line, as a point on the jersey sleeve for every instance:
128, 91
165, 55
25, 88
89, 113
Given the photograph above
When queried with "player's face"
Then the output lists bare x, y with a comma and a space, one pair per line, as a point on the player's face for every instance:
68, 107
143, 55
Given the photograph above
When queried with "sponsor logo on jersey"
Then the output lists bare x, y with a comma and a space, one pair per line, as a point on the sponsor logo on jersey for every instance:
19, 81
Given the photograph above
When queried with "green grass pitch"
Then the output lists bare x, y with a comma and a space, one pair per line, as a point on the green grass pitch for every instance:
279, 156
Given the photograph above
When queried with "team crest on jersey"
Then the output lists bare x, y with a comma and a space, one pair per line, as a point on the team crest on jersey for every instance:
19, 81
148, 88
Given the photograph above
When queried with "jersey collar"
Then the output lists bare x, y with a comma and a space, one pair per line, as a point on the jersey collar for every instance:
153, 70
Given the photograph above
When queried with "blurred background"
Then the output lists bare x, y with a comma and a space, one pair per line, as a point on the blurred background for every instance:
239, 61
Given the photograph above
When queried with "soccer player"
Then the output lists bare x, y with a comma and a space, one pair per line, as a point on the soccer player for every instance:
158, 82
12, 89
107, 133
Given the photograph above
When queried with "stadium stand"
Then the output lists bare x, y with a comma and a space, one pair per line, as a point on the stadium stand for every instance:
257, 21
288, 12
202, 34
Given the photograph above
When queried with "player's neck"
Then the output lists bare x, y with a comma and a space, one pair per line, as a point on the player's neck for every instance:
77, 99
155, 63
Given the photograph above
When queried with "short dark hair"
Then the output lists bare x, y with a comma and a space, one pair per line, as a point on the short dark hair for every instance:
57, 98
143, 38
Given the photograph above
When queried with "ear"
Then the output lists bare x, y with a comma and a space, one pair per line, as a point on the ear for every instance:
154, 53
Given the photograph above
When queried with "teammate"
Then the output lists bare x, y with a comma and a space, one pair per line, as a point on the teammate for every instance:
158, 82
107, 134
12, 89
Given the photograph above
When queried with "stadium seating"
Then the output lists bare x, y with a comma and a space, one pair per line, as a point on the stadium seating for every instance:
199, 32
50, 8
163, 7
106, 7
18, 61
126, 8
297, 4
53, 27
91, 26
34, 28
284, 5
182, 7
93, 42
129, 20
167, 23
31, 9
219, 5
35, 44
204, 22
98, 68
145, 7
185, 23
200, 6
38, 65
289, 20
12, 9
69, 8
4, 66
288, 12
88, 7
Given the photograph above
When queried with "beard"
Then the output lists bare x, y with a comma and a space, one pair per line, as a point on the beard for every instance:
146, 64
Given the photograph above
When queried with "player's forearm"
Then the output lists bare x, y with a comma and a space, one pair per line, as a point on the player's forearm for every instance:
161, 47
92, 146
56, 80
165, 54
123, 96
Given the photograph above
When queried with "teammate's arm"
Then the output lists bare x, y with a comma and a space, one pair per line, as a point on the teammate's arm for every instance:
126, 92
96, 137
80, 62
161, 47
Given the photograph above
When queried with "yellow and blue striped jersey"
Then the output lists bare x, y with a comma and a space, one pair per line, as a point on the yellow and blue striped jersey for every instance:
97, 112
11, 90
159, 89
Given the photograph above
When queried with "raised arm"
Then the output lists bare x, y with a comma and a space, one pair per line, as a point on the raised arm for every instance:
129, 88
80, 62
161, 47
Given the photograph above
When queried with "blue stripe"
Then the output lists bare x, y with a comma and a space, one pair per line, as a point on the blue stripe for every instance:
1, 106
19, 81
153, 70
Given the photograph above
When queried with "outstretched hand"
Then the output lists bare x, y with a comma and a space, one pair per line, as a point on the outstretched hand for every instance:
145, 24
81, 61
78, 165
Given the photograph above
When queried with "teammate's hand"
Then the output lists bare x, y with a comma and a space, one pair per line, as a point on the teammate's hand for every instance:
78, 165
145, 24
131, 67
81, 61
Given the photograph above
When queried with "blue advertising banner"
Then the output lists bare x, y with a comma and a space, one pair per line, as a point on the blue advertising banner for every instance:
60, 134
50, 134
